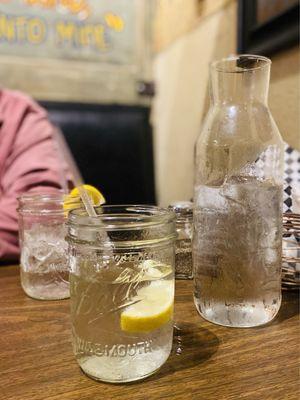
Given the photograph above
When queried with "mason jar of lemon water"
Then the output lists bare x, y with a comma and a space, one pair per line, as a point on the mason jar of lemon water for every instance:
122, 290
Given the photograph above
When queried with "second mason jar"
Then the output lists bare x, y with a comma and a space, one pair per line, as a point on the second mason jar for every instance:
122, 290
44, 268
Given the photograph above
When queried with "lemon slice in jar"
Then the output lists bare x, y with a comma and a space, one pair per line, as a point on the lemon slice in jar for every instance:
153, 308
73, 199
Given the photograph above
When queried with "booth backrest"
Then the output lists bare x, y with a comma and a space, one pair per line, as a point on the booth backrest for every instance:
112, 146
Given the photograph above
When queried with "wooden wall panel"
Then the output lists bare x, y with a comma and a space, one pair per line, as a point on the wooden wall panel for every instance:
174, 18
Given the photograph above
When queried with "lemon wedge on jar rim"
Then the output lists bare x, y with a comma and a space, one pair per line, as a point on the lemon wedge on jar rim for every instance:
153, 308
73, 200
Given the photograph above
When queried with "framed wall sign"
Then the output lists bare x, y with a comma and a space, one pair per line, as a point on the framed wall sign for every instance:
76, 50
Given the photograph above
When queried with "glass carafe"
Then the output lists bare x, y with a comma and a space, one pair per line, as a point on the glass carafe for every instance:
238, 198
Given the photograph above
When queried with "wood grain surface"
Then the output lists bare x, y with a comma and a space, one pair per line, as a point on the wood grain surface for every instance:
207, 362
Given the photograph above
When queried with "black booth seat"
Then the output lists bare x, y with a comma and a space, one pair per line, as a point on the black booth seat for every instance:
112, 146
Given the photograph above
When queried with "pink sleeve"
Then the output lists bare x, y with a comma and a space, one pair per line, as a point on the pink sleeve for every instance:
33, 162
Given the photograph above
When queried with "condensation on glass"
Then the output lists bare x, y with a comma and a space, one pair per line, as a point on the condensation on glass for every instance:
122, 290
184, 229
43, 263
238, 198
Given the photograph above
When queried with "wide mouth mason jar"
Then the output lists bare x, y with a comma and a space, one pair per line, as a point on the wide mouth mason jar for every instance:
43, 264
122, 290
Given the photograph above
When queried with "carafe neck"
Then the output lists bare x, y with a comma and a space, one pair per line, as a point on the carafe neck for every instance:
240, 80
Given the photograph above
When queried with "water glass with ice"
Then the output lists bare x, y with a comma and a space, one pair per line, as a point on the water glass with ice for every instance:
43, 263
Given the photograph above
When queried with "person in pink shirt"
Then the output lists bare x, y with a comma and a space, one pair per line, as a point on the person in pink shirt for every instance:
29, 159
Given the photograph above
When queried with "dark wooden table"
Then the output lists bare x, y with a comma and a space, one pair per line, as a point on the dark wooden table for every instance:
208, 361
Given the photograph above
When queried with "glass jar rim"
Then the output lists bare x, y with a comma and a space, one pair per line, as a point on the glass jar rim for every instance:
122, 217
228, 64
35, 203
44, 197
